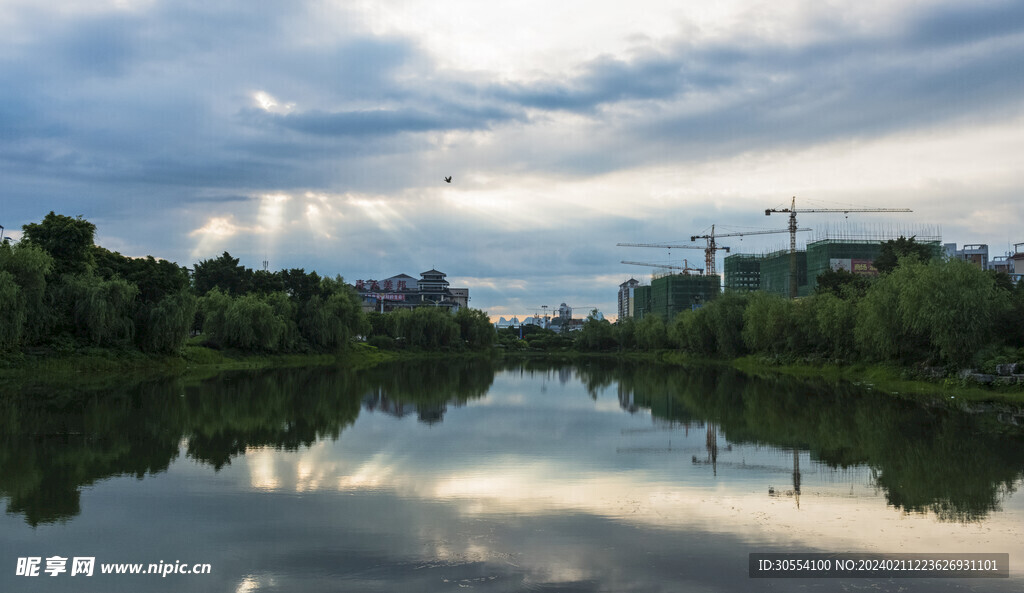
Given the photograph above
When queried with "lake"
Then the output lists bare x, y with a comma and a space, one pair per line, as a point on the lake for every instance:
433, 476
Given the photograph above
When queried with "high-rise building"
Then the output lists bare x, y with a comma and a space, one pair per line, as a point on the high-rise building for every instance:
626, 290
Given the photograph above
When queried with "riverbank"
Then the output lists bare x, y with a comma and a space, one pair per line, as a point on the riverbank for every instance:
100, 365
893, 380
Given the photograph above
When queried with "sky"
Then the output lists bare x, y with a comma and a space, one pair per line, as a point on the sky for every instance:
317, 134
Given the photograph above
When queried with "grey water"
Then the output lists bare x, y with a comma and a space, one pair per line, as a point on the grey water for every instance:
481, 476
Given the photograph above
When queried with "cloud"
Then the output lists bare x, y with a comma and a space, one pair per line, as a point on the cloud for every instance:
156, 118
379, 122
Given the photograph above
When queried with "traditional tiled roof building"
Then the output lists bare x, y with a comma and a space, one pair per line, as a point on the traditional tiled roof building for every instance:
405, 292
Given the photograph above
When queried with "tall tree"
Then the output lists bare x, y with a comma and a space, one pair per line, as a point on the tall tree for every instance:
68, 240
895, 249
156, 278
843, 283
299, 285
224, 273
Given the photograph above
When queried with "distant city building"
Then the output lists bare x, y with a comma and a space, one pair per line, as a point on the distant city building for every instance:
562, 322
626, 297
1015, 263
566, 324
1012, 263
1001, 263
506, 323
405, 292
976, 254
537, 321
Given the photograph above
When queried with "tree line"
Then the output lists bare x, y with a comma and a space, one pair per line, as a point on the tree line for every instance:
59, 291
920, 310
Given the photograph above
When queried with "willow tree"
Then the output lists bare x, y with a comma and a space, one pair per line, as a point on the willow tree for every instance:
768, 323
12, 312
835, 318
955, 304
100, 311
164, 326
213, 308
251, 323
651, 333
29, 266
475, 328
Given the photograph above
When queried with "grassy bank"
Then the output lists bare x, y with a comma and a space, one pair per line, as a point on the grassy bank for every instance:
894, 380
100, 365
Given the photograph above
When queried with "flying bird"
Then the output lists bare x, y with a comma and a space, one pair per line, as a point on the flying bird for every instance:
448, 179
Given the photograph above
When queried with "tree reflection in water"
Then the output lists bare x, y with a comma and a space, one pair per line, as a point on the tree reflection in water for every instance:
956, 465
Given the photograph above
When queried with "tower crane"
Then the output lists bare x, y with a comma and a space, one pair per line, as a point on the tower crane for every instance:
709, 251
792, 230
686, 269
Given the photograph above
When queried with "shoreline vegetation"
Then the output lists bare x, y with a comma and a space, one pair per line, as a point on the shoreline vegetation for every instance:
197, 362
926, 327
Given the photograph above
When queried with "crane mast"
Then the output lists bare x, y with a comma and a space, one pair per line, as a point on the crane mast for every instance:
709, 251
792, 227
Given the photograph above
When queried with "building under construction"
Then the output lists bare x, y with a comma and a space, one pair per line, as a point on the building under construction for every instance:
851, 250
743, 272
670, 294
768, 272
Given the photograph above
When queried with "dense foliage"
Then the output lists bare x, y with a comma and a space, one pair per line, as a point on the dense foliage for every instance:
59, 291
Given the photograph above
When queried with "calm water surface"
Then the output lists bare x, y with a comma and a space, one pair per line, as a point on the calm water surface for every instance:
435, 477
